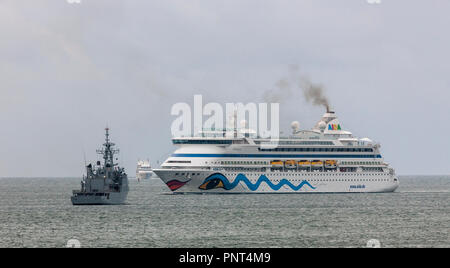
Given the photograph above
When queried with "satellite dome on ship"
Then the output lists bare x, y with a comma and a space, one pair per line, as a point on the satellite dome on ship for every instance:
332, 125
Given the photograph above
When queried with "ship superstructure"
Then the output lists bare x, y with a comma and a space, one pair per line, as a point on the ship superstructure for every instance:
104, 184
144, 170
325, 159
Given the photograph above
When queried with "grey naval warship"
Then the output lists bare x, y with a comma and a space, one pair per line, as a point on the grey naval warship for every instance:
105, 184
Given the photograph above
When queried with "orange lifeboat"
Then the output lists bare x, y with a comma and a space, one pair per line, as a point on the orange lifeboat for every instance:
304, 164
290, 164
277, 164
330, 164
317, 164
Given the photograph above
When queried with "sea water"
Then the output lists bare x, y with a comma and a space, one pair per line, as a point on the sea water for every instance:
37, 212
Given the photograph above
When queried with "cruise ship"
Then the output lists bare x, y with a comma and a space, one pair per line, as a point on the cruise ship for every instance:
325, 159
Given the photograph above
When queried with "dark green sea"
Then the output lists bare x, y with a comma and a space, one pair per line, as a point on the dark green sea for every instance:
37, 212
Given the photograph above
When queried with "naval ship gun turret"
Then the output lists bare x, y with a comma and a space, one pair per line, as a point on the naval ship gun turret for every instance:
105, 184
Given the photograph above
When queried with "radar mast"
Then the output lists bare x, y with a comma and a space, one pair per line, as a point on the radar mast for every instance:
108, 151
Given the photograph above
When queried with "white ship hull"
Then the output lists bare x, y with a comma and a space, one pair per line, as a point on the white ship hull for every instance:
195, 181
144, 175
99, 198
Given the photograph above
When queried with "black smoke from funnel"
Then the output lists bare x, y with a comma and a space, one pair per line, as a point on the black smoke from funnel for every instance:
286, 87
314, 93
281, 92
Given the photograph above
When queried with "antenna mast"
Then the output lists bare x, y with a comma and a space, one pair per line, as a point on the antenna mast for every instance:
108, 151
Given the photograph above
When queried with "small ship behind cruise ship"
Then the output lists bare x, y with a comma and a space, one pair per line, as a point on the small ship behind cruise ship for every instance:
105, 184
326, 159
144, 170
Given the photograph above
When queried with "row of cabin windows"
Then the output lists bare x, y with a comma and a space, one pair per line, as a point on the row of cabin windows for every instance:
297, 142
185, 174
290, 175
202, 141
346, 171
316, 150
241, 163
267, 163
372, 169
360, 163
313, 179
178, 162
340, 180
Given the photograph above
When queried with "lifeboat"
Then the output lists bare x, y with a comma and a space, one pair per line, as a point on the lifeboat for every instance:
331, 164
290, 164
277, 164
304, 164
317, 164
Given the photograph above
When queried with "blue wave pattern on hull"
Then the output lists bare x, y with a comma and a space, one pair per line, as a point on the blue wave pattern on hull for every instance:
227, 185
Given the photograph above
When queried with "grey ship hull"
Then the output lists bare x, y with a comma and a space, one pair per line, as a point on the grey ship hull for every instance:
99, 199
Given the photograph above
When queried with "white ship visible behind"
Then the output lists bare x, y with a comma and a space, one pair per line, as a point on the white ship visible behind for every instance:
144, 170
326, 159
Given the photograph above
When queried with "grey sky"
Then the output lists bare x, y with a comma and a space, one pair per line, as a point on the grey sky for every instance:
67, 70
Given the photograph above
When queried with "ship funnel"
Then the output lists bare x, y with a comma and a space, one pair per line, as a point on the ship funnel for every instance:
295, 125
329, 124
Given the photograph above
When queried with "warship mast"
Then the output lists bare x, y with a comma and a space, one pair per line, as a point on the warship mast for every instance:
108, 151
